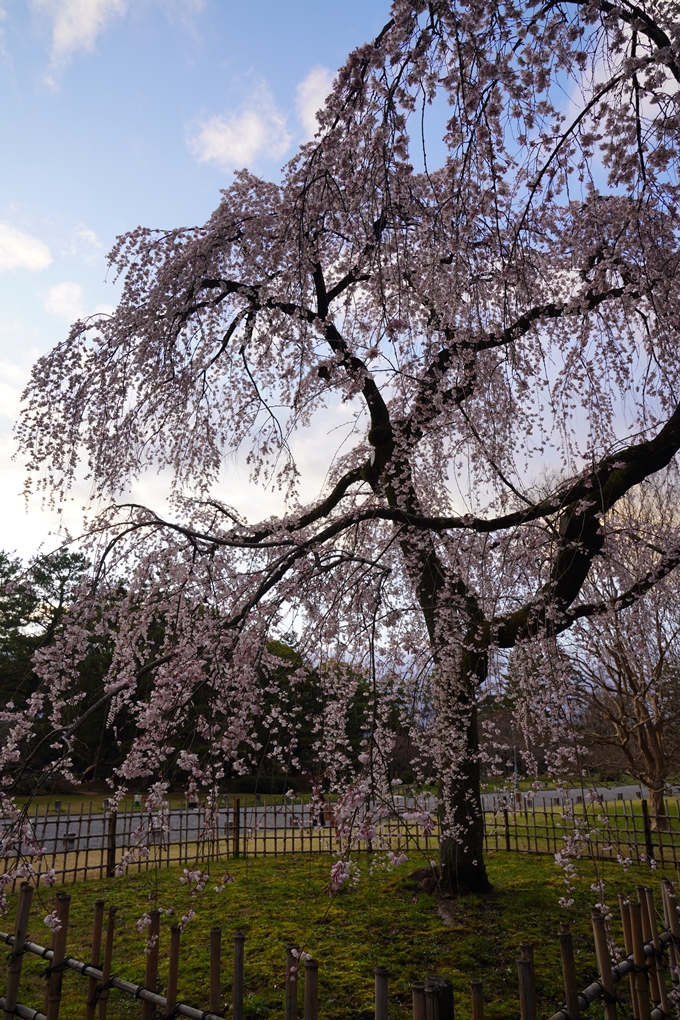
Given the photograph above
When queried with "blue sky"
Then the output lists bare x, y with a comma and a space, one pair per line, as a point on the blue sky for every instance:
124, 112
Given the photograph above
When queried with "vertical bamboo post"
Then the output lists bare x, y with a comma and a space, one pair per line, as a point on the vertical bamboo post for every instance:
569, 973
506, 826
438, 999
526, 1002
291, 982
418, 997
17, 957
111, 845
151, 974
215, 965
641, 985
95, 956
237, 827
56, 969
237, 985
527, 950
106, 966
381, 979
674, 925
624, 907
659, 969
477, 1000
649, 847
648, 938
173, 971
311, 990
604, 964
431, 1002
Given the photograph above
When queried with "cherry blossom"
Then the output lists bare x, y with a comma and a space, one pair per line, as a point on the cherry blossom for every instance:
476, 258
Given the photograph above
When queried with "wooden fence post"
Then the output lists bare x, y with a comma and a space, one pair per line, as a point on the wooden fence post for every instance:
106, 966
151, 973
111, 845
477, 1000
381, 979
660, 975
527, 950
641, 985
506, 826
215, 967
674, 925
237, 985
569, 973
95, 956
173, 972
649, 847
438, 998
56, 968
418, 997
527, 1004
291, 982
311, 990
17, 956
237, 827
604, 964
624, 907
645, 919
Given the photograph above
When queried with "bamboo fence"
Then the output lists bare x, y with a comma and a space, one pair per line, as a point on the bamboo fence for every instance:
85, 843
651, 966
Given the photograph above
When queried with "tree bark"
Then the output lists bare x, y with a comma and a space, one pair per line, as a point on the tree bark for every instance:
461, 856
658, 804
461, 847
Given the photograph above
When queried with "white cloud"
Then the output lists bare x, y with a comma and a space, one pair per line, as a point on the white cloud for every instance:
85, 244
233, 141
310, 96
77, 23
21, 251
66, 301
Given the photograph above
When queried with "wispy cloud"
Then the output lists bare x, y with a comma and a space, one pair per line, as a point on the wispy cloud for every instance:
310, 96
76, 24
21, 251
233, 141
66, 300
85, 244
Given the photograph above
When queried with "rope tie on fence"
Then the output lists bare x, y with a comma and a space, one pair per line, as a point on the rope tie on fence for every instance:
48, 971
95, 995
608, 997
15, 954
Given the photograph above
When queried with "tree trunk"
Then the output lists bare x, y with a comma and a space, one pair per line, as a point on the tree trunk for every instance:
447, 603
461, 848
461, 856
659, 817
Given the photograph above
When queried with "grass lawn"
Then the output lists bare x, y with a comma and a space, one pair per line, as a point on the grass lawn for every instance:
382, 921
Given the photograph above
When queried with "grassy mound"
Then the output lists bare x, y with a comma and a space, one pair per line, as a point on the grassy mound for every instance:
382, 920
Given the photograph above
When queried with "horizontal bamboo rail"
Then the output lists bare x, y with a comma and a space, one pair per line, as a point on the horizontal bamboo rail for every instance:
594, 991
87, 970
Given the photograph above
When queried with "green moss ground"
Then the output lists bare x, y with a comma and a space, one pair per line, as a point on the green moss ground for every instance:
383, 921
